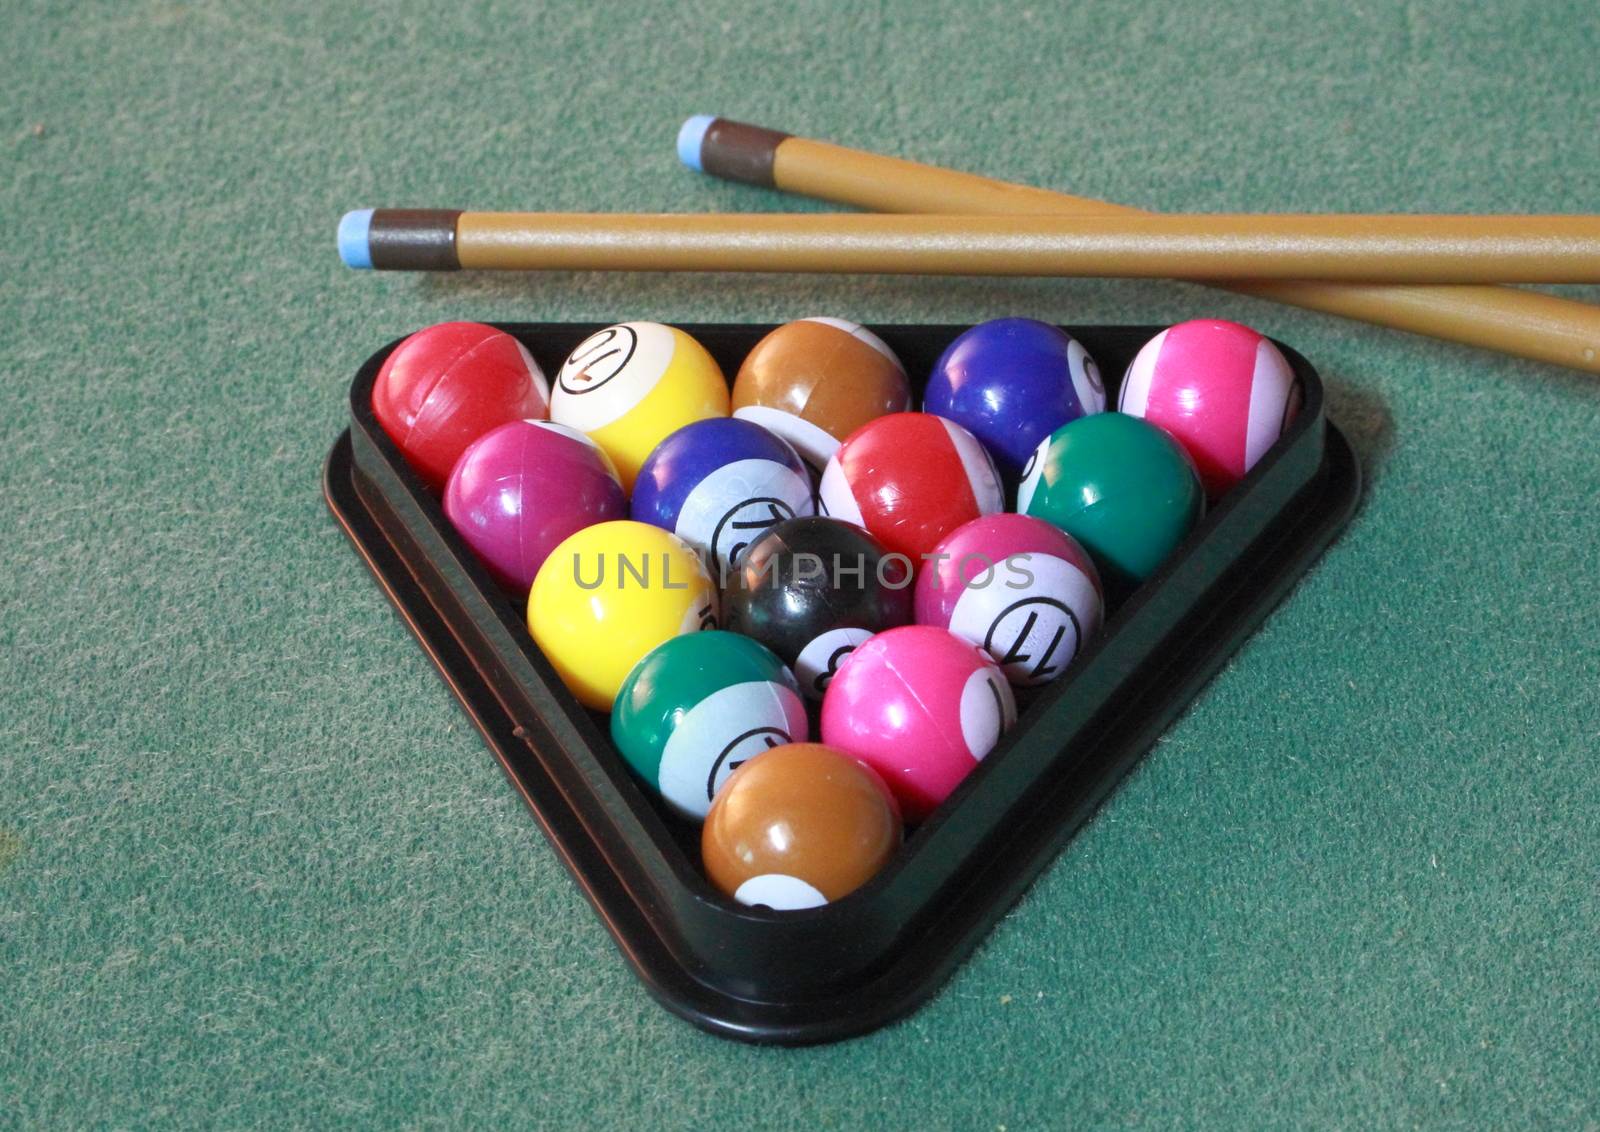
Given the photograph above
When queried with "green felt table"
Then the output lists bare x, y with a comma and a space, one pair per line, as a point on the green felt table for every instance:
257, 869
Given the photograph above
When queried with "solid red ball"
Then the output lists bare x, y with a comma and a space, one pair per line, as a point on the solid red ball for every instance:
443, 387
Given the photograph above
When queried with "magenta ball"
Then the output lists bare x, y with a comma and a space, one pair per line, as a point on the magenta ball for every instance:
921, 707
521, 488
1020, 588
1223, 391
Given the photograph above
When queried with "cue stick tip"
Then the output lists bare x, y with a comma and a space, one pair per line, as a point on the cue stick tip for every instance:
690, 138
399, 239
354, 248
734, 151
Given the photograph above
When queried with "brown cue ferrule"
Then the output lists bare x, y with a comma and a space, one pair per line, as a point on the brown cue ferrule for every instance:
736, 151
413, 239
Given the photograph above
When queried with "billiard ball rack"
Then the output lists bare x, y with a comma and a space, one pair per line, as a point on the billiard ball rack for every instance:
849, 967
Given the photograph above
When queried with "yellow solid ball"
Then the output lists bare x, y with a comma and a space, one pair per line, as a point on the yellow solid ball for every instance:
629, 386
611, 593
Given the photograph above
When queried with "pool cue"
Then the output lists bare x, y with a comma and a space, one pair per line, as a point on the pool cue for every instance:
1526, 324
1409, 249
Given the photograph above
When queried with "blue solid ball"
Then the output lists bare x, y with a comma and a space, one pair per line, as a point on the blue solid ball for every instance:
1011, 382
719, 484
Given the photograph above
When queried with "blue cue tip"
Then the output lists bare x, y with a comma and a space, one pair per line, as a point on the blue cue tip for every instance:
690, 137
353, 246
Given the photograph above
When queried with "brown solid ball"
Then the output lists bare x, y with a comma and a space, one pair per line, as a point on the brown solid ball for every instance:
799, 826
815, 381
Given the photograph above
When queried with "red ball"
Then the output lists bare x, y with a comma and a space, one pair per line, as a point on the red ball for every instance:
443, 387
910, 479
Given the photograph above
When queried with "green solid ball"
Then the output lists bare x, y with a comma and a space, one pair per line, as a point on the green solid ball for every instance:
697, 707
1122, 487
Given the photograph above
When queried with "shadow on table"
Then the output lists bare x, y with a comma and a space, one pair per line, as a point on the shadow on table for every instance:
1363, 416
880, 298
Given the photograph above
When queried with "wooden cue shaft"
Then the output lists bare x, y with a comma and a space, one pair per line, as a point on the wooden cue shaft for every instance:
1412, 249
1526, 324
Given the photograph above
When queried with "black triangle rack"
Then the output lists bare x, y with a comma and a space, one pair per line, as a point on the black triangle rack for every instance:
852, 966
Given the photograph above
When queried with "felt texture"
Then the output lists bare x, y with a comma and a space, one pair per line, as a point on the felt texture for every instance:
256, 869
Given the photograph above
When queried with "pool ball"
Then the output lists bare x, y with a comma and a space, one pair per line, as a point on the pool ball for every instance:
1012, 382
443, 387
1018, 587
697, 707
920, 706
718, 484
629, 386
815, 381
1125, 489
811, 590
611, 593
910, 479
519, 489
799, 826
1222, 389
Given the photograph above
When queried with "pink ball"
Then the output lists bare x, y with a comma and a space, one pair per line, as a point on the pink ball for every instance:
1223, 390
921, 707
1018, 587
521, 488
